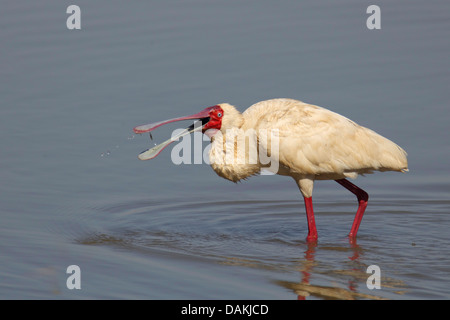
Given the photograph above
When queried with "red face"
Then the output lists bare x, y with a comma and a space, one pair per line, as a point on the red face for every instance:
215, 119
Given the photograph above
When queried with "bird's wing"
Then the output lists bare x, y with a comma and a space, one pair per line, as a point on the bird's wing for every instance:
314, 140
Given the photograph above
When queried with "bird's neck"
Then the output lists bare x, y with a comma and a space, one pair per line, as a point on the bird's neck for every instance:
233, 155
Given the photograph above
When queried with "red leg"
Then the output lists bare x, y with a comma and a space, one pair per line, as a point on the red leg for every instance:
312, 231
363, 197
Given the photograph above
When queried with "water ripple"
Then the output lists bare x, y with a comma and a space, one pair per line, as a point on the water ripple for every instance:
270, 235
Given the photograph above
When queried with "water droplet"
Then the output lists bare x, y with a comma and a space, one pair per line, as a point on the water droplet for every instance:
105, 154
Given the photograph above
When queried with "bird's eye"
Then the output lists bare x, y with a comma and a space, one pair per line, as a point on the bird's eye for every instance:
219, 114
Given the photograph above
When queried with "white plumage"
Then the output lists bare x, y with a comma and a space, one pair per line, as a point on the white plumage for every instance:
314, 143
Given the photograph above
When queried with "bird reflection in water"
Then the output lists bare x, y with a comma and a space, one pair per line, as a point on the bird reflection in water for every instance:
356, 276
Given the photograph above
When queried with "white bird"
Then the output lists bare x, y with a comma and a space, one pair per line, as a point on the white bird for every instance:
296, 139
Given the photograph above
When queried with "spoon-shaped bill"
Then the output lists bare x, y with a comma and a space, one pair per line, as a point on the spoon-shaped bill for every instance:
152, 126
156, 150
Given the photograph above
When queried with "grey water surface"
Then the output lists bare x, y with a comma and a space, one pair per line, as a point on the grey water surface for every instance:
73, 192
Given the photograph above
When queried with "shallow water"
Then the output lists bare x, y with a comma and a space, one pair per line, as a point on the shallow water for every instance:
74, 193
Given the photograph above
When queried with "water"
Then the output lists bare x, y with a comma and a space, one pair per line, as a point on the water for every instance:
74, 193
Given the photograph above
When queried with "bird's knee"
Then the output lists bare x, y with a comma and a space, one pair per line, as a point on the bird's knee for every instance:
363, 196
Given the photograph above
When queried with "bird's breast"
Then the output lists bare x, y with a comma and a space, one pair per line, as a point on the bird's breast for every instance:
234, 155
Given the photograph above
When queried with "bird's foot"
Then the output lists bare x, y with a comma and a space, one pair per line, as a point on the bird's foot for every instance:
352, 239
311, 238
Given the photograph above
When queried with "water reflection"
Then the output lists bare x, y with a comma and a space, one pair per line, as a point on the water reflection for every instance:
265, 240
355, 275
